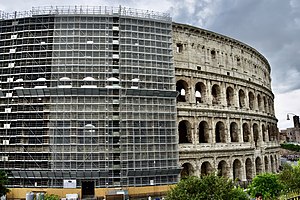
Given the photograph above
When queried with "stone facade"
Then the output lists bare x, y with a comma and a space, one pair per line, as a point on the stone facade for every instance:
225, 106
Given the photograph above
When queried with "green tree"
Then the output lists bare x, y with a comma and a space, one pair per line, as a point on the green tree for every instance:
267, 184
206, 187
3, 183
290, 177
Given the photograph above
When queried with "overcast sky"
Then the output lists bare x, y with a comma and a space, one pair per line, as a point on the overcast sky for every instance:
270, 26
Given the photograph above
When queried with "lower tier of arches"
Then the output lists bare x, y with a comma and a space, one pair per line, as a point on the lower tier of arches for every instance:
241, 166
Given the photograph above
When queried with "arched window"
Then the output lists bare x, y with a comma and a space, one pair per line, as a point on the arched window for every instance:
246, 132
203, 132
249, 172
223, 169
187, 170
181, 88
234, 132
220, 133
237, 170
266, 164
230, 96
216, 94
258, 165
263, 128
184, 130
206, 168
251, 100
259, 102
241, 98
200, 92
255, 134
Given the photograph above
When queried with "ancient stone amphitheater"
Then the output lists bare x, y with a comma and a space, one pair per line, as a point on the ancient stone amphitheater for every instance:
225, 107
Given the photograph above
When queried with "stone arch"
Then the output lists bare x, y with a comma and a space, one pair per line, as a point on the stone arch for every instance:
251, 100
275, 163
255, 134
182, 89
234, 132
206, 168
223, 169
230, 96
184, 130
246, 132
242, 98
216, 94
269, 132
203, 132
270, 103
220, 132
272, 163
258, 165
200, 92
263, 128
249, 171
266, 164
237, 169
265, 104
259, 105
187, 169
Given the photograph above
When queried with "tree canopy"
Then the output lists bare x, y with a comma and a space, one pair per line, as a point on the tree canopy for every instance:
3, 183
267, 184
206, 187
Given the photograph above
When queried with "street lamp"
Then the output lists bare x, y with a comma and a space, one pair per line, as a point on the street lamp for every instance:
295, 119
288, 117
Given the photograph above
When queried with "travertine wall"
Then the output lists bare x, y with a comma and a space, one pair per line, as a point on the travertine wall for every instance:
226, 120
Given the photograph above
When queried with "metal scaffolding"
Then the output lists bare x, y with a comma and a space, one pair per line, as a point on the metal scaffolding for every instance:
87, 95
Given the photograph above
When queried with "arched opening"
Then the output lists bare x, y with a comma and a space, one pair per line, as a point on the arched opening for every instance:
275, 163
246, 132
203, 132
237, 170
206, 168
181, 88
230, 96
269, 133
234, 132
249, 172
259, 102
200, 93
263, 128
266, 164
251, 100
223, 169
258, 165
272, 164
270, 103
186, 170
265, 104
216, 94
184, 130
255, 134
220, 133
241, 98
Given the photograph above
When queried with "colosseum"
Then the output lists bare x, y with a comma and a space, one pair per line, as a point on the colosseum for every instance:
225, 106
95, 100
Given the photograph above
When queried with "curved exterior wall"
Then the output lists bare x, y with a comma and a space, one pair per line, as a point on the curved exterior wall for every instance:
88, 95
225, 106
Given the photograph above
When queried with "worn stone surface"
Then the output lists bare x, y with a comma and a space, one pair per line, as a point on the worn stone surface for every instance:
226, 119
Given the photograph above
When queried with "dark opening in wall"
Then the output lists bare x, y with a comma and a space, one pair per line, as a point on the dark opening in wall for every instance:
203, 132
179, 47
213, 54
198, 68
